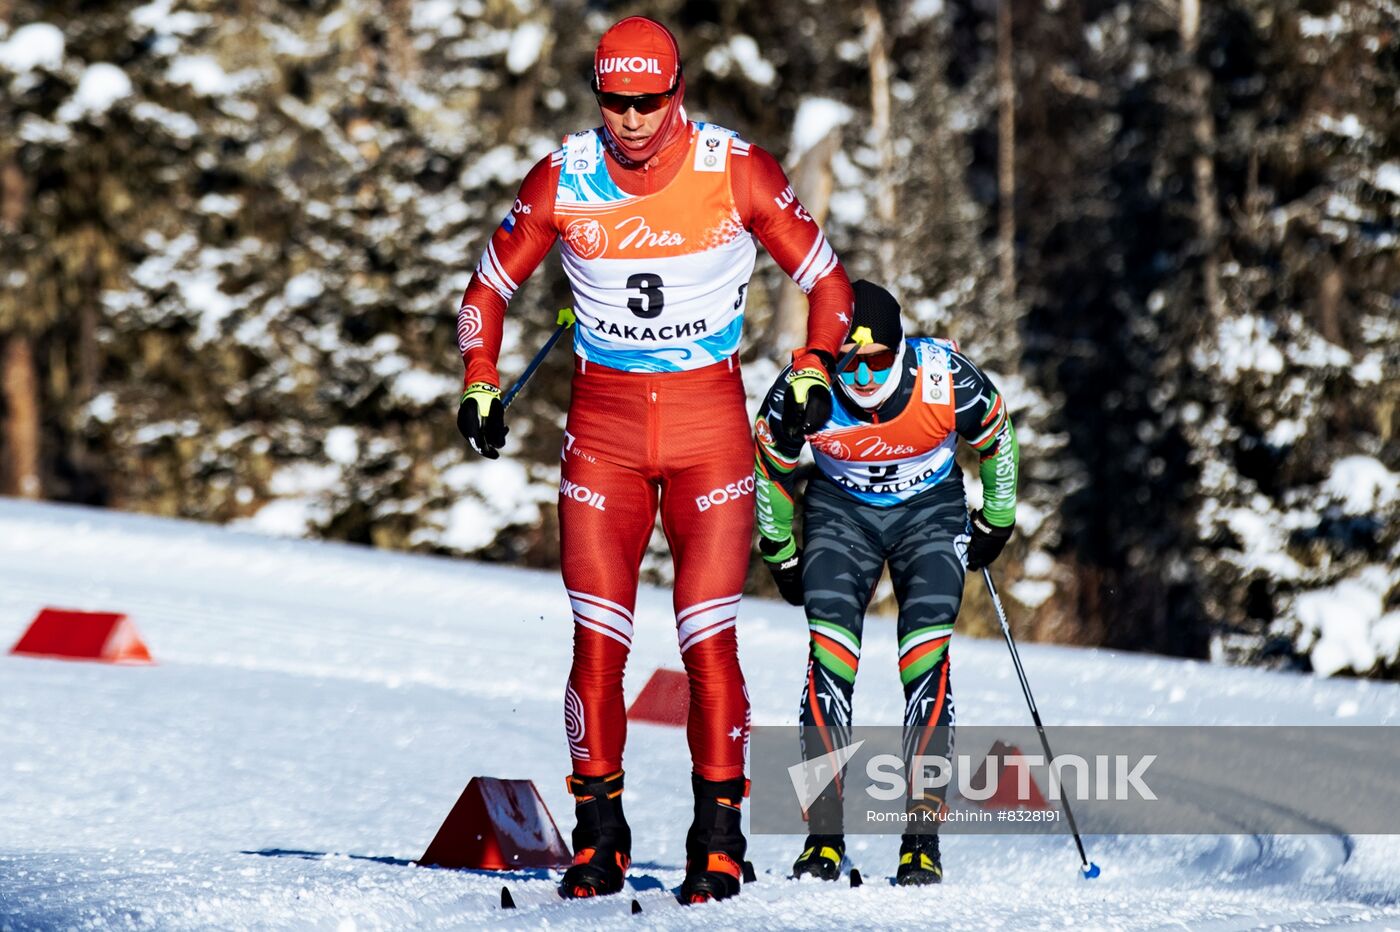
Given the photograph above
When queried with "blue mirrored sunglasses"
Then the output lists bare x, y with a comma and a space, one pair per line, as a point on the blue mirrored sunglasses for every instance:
864, 375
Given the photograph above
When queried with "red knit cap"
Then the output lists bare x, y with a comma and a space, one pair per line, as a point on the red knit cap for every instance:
636, 56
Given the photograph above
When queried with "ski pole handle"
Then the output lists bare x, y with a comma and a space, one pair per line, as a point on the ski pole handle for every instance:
565, 319
860, 338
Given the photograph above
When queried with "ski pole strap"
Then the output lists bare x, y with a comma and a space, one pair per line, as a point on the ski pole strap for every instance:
565, 320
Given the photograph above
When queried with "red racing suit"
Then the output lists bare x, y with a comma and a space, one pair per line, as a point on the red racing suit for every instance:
659, 258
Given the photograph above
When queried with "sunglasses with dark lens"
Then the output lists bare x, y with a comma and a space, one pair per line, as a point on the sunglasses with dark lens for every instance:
874, 361
643, 103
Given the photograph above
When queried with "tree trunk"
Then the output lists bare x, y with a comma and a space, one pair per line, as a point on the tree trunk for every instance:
1331, 291
1202, 159
1006, 155
878, 54
14, 195
20, 388
19, 384
403, 57
812, 181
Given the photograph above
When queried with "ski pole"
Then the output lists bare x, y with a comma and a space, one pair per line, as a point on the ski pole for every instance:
1089, 869
860, 338
565, 319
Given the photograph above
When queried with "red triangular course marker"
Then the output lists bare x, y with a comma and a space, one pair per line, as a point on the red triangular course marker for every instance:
664, 700
106, 637
498, 825
1007, 794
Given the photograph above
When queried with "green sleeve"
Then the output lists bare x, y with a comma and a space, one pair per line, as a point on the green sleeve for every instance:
775, 483
984, 423
999, 468
775, 490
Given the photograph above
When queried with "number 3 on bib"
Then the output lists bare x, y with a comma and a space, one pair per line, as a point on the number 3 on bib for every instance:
649, 304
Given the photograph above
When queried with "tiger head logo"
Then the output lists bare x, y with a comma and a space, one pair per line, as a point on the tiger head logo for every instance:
586, 238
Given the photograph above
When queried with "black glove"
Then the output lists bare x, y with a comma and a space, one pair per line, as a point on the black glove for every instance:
787, 572
806, 401
987, 541
482, 419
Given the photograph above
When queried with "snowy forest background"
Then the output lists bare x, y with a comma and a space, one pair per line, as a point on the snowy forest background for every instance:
234, 236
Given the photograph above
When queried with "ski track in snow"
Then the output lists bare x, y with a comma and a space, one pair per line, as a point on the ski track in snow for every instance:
316, 709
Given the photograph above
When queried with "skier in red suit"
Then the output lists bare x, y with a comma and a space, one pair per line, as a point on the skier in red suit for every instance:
655, 217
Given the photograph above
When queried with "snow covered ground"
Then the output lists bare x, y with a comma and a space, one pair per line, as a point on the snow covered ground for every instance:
316, 710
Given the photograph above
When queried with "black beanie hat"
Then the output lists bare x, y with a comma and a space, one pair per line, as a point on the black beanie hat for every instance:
877, 309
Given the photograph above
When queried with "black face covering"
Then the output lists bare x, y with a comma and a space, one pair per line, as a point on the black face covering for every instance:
877, 309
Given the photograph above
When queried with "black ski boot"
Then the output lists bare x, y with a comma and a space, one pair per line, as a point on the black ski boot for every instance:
821, 857
714, 846
602, 840
826, 840
919, 861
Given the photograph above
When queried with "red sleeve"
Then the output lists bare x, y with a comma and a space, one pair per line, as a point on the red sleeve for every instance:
516, 248
769, 207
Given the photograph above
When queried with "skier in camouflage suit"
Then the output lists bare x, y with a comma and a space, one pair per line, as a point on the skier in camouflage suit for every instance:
886, 490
